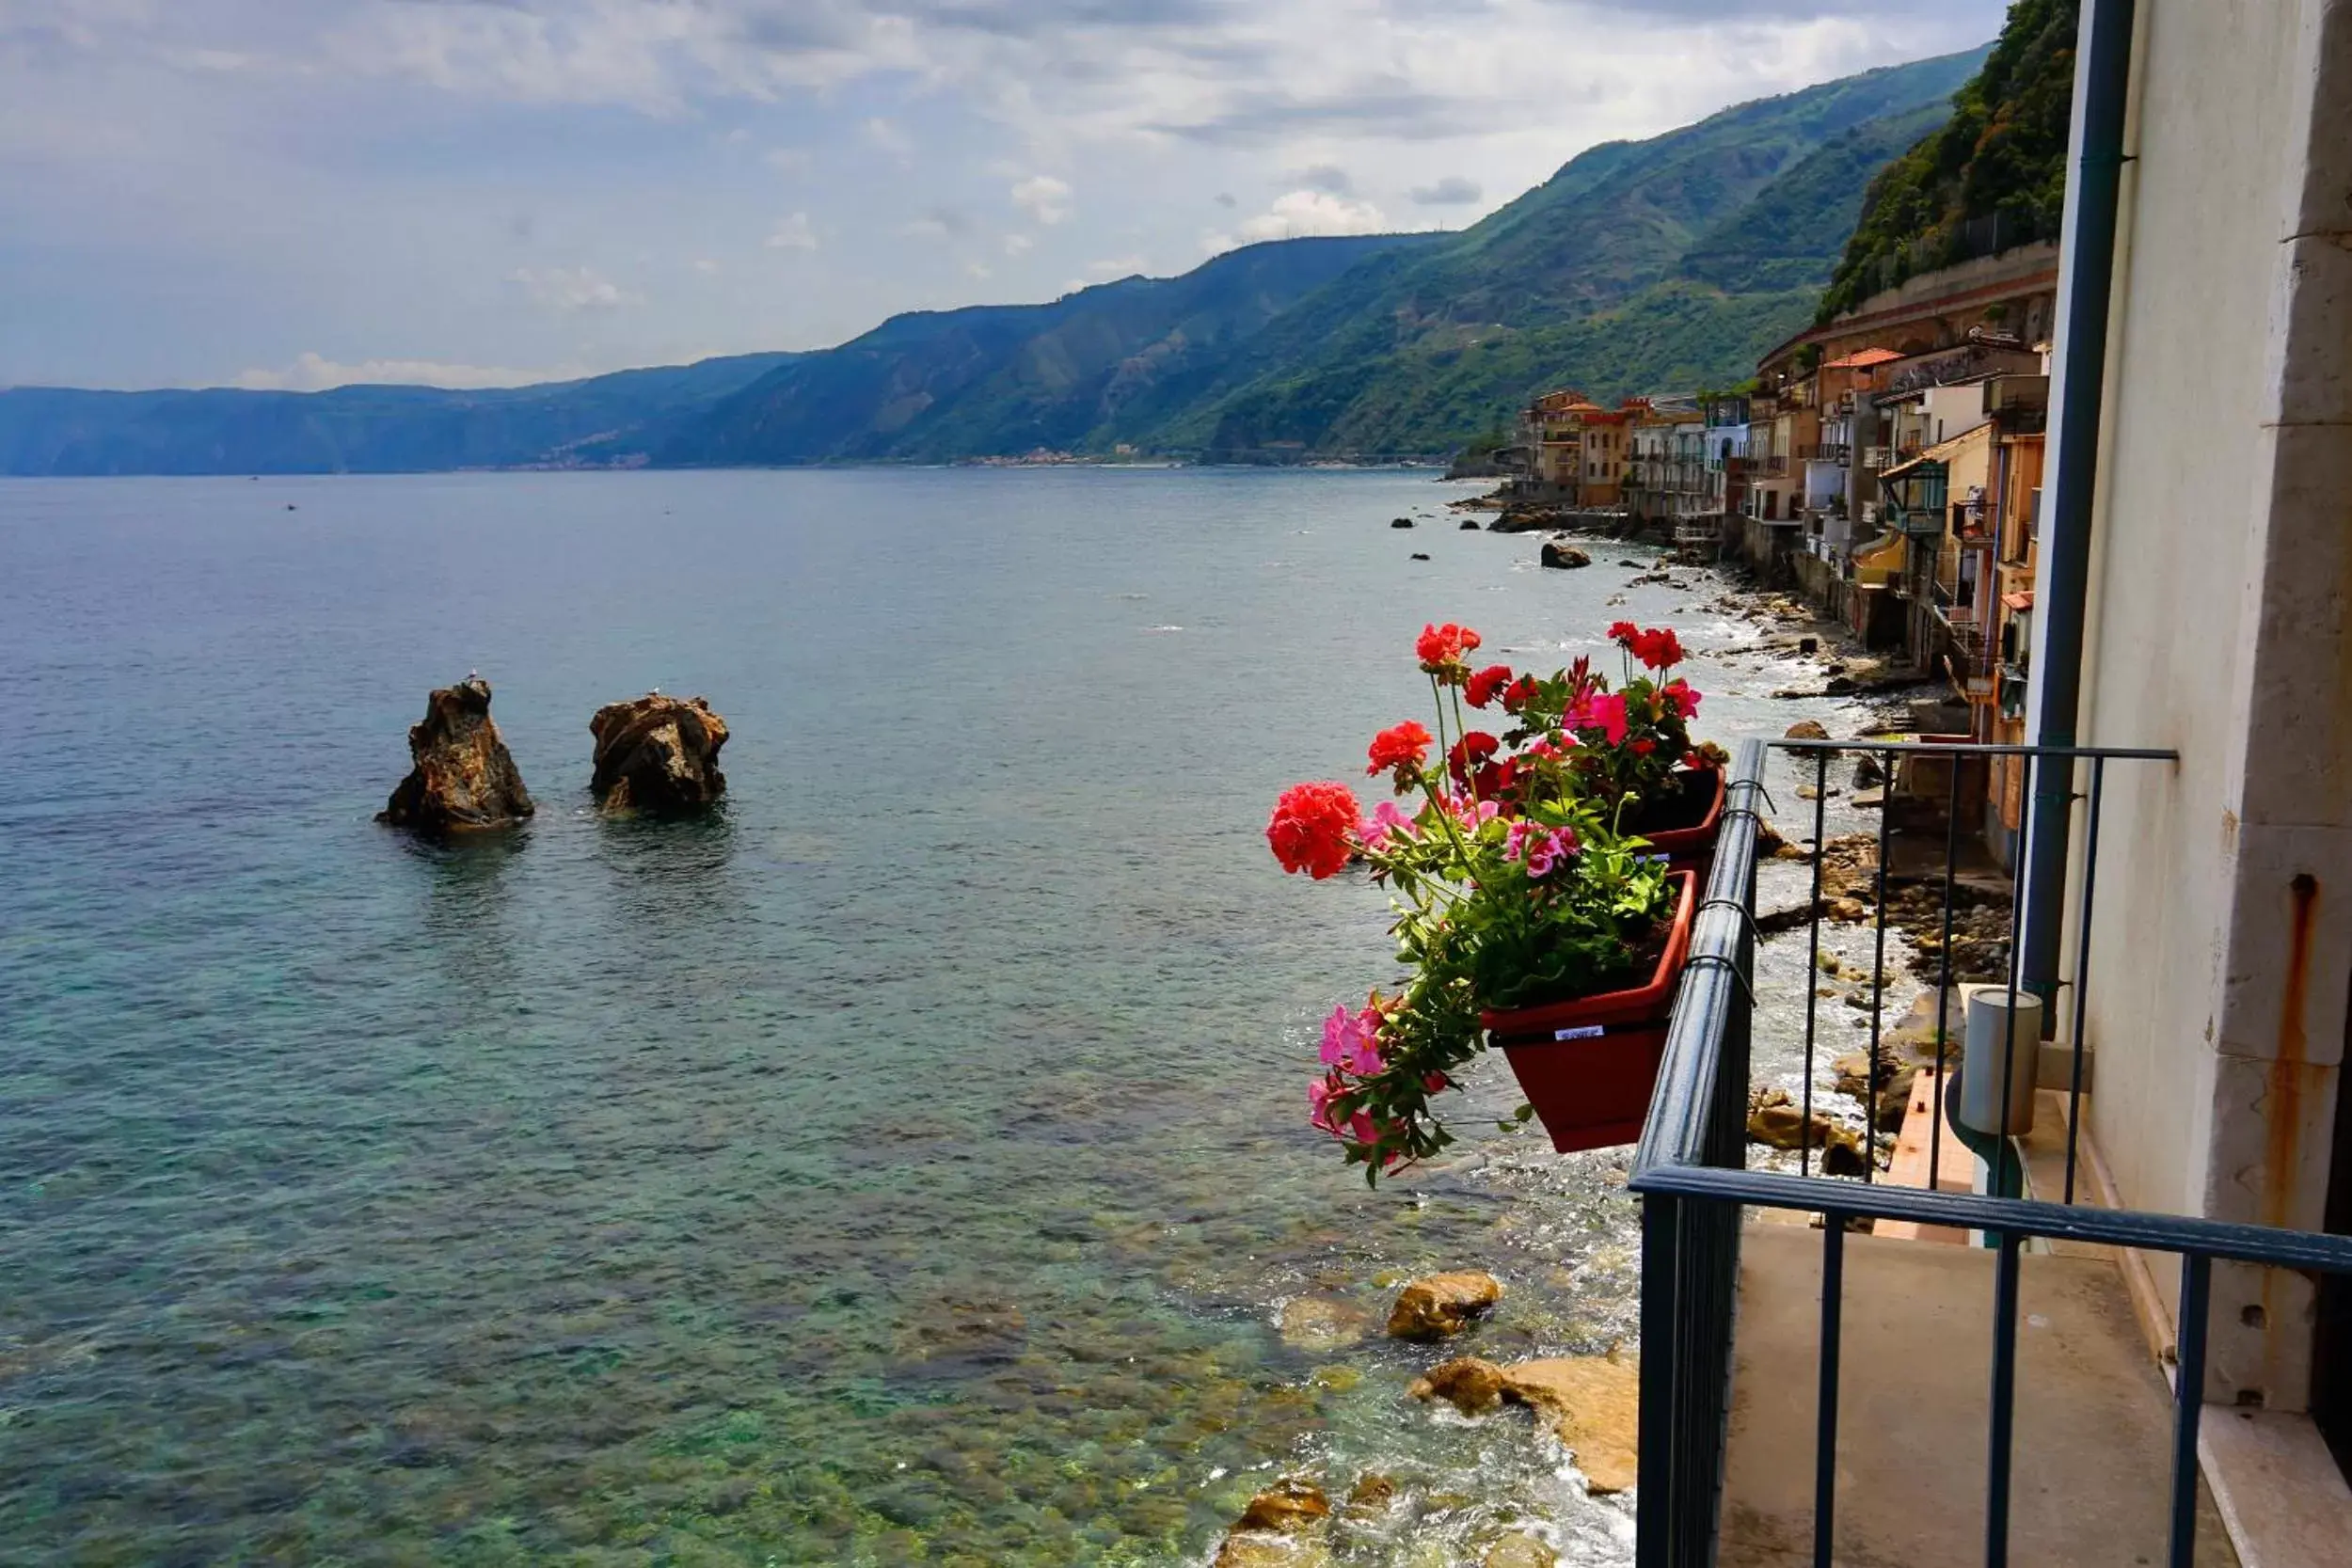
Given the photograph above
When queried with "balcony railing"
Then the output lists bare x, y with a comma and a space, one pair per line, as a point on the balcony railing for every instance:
1691, 1168
1826, 452
1768, 467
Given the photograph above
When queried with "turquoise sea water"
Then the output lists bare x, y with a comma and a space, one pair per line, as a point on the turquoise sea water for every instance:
907, 1166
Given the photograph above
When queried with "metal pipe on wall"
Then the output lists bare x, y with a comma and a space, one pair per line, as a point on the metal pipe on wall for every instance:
2062, 578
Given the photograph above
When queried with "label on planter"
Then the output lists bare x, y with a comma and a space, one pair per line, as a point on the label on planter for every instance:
1589, 1031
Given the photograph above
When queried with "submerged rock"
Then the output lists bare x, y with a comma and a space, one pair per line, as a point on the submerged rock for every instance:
1286, 1508
657, 753
462, 777
1442, 1304
1323, 1323
1517, 1549
1400, 522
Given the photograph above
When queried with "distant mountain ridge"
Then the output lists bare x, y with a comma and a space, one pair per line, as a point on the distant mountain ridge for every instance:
360, 428
1671, 261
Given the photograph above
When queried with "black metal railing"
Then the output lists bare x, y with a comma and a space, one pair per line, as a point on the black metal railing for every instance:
1691, 1168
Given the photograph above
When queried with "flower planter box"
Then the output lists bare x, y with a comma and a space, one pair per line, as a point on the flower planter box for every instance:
1588, 1065
1686, 835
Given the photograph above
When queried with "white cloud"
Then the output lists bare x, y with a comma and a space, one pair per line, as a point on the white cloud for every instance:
792, 232
708, 267
786, 160
1116, 266
1296, 214
570, 288
885, 135
1045, 198
312, 373
1018, 245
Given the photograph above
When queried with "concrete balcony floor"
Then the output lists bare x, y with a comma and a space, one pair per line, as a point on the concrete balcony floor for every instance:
2092, 1463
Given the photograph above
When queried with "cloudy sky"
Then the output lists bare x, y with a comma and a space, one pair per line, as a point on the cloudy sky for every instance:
297, 193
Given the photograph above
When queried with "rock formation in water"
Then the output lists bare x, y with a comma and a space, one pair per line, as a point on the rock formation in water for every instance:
462, 777
1559, 552
1443, 1304
658, 754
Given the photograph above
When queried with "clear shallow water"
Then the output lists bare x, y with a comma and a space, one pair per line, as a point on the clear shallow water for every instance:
907, 1166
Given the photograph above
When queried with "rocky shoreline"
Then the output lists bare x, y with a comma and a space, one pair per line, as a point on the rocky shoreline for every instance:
1546, 1372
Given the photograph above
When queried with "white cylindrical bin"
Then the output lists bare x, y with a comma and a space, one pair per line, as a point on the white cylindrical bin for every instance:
1981, 1073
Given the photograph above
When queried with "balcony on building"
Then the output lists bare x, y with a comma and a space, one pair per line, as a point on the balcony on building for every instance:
1938, 1337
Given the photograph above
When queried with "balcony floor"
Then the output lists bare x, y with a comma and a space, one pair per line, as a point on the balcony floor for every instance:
2092, 1455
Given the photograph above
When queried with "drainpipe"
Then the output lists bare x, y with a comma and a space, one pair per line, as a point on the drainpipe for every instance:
2087, 275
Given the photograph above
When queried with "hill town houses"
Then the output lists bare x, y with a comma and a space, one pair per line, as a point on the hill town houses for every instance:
1886, 465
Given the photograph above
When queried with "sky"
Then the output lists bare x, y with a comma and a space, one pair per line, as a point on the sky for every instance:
305, 193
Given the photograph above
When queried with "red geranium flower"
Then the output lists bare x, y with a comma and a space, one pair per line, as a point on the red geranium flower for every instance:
1519, 694
1313, 828
1623, 633
1660, 649
1643, 748
1468, 752
1440, 648
1397, 745
1684, 700
1481, 688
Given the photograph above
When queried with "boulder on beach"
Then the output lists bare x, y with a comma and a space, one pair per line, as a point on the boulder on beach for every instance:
1470, 525
1592, 1402
658, 754
1400, 522
1559, 552
1805, 729
1442, 1304
462, 777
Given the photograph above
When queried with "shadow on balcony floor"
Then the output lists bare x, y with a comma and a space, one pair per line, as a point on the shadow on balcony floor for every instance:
2094, 1423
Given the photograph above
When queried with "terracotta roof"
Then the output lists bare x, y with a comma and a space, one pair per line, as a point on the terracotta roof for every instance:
2020, 600
1862, 360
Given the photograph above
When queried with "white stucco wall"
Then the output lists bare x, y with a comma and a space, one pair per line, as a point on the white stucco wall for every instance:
2222, 565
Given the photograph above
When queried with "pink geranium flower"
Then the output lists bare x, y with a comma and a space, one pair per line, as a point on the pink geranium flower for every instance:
1351, 1042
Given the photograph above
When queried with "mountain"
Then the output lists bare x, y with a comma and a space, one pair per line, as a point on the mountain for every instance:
1665, 263
1009, 378
53, 430
1991, 176
1671, 261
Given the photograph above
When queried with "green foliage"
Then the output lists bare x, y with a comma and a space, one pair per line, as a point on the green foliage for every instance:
2002, 155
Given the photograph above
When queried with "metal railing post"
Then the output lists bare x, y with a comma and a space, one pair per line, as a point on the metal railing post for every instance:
1656, 1502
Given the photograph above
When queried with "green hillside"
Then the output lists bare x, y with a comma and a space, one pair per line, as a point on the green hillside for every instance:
1639, 266
1007, 379
1993, 176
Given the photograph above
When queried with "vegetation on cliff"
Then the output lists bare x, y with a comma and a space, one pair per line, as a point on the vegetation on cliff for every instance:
1991, 176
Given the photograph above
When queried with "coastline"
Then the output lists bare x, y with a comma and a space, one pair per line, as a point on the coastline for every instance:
1565, 1243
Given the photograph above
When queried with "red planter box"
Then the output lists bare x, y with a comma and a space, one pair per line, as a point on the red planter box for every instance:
1693, 846
1589, 1065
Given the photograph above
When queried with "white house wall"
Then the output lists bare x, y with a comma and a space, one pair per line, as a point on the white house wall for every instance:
2221, 570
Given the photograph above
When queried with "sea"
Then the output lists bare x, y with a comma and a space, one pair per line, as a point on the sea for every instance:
906, 1164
